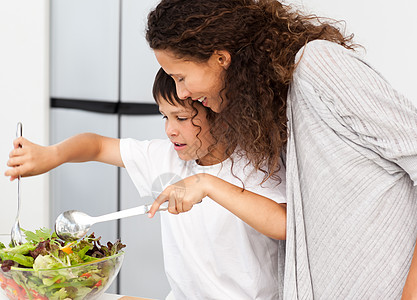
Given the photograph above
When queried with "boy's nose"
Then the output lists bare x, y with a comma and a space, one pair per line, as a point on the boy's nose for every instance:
171, 130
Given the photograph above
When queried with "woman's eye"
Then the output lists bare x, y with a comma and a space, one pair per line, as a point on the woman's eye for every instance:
164, 117
180, 79
182, 119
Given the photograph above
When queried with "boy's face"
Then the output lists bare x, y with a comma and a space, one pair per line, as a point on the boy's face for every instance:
190, 136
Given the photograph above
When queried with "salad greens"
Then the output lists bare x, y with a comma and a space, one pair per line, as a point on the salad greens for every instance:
39, 235
40, 268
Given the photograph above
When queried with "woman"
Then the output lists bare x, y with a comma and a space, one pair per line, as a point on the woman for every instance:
281, 81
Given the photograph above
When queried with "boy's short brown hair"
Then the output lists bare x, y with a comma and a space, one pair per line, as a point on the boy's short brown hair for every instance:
164, 87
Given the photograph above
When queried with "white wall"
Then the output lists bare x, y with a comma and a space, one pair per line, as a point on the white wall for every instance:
386, 29
24, 96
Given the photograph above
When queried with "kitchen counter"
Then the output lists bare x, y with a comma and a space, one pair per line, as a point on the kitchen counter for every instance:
120, 297
104, 297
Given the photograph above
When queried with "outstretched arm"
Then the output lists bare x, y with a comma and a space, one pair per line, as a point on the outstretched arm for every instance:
261, 213
29, 159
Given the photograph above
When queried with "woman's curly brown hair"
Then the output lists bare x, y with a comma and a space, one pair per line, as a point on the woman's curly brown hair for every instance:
263, 38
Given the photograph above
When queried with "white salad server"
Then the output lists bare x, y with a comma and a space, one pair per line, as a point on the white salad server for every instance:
17, 234
72, 225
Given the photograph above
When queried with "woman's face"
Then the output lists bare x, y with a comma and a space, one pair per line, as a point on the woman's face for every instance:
198, 81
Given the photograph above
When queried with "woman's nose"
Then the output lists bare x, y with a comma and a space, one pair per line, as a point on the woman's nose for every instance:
182, 92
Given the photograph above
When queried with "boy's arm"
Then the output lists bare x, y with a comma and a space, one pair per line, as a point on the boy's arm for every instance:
28, 159
261, 213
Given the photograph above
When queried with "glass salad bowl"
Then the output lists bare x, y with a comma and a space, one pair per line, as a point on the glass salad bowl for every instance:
84, 281
46, 267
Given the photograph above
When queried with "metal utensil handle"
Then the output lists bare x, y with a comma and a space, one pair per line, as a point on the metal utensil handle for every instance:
140, 210
19, 130
19, 133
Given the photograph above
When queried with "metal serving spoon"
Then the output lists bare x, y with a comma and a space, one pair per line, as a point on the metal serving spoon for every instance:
72, 225
17, 235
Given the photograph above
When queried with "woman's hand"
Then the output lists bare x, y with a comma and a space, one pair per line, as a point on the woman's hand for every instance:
28, 159
183, 194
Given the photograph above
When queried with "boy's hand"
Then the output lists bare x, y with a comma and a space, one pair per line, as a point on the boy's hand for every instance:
28, 159
182, 195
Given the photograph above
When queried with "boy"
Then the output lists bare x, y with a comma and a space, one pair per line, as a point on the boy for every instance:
211, 251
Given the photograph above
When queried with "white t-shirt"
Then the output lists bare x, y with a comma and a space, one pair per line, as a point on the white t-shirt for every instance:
209, 253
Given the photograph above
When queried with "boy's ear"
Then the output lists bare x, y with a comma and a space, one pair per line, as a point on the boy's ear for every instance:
223, 58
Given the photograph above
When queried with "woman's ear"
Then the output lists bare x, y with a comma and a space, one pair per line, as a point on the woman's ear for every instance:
223, 58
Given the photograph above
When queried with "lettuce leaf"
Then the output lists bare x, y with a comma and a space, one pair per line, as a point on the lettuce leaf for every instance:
39, 235
47, 262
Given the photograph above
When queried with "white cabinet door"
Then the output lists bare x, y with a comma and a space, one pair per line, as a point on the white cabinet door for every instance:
87, 187
85, 49
139, 65
143, 272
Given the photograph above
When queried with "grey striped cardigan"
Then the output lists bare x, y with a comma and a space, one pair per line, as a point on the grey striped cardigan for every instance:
351, 179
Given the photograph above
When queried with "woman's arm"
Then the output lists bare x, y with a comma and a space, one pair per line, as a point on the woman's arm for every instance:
261, 213
29, 159
410, 287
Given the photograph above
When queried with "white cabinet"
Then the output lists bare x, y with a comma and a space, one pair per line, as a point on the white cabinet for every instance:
88, 187
85, 49
139, 66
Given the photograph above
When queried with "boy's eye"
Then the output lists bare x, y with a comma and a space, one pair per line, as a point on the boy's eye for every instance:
164, 117
180, 79
182, 119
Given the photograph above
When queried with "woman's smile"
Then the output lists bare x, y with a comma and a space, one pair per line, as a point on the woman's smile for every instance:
202, 100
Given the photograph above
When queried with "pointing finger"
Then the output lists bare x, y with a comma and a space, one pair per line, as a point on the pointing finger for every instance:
173, 205
157, 203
